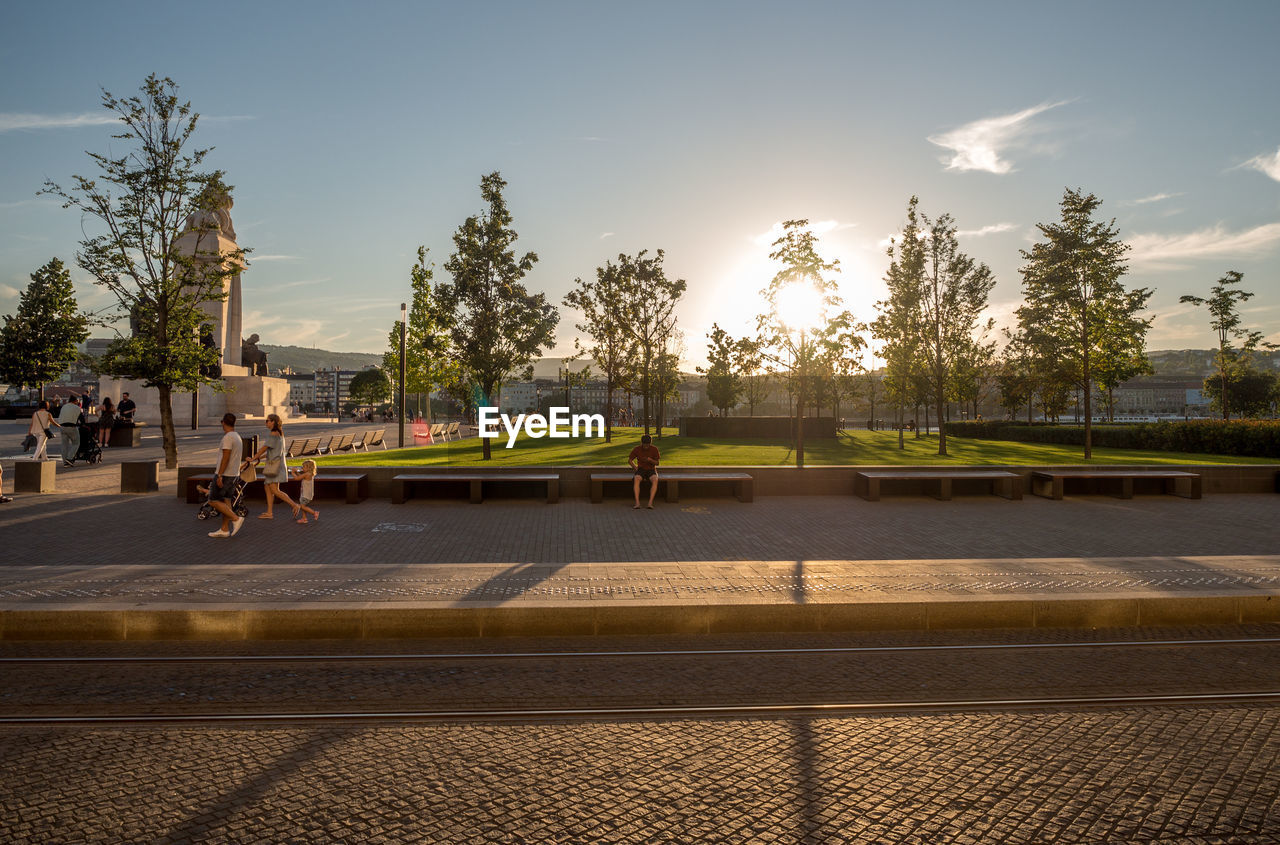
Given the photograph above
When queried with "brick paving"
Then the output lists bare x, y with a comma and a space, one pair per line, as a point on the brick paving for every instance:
1186, 775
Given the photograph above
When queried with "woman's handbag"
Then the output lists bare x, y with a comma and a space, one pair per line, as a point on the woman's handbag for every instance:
28, 442
248, 474
271, 468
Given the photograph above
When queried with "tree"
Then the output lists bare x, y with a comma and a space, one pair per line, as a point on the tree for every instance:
142, 198
609, 348
1122, 351
667, 376
755, 380
724, 384
954, 291
38, 343
427, 360
1253, 392
899, 318
496, 325
799, 299
1071, 283
1225, 320
645, 308
371, 386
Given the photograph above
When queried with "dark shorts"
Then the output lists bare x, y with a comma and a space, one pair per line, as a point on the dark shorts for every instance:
225, 492
646, 474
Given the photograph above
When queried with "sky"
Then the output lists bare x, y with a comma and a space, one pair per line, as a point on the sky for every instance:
353, 133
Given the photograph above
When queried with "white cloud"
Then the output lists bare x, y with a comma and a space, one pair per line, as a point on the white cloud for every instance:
980, 144
1154, 198
7, 291
255, 258
11, 121
606, 235
993, 229
818, 227
1268, 164
14, 121
1165, 251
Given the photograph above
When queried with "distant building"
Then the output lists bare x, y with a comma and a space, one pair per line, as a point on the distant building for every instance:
302, 388
324, 388
1159, 396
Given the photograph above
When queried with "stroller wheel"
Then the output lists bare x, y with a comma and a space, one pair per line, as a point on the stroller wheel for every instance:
202, 515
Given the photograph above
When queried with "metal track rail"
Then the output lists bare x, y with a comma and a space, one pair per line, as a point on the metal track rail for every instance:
531, 655
685, 712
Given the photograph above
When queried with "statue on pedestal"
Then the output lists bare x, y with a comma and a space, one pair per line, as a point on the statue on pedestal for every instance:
253, 357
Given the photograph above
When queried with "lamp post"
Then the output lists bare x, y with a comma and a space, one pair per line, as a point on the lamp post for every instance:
404, 319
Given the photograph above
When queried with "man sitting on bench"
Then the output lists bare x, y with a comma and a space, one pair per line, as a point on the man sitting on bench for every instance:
644, 460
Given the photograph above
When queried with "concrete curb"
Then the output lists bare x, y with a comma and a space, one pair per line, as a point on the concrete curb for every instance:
389, 621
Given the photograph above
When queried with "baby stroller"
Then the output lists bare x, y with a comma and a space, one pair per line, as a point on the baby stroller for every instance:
90, 450
235, 500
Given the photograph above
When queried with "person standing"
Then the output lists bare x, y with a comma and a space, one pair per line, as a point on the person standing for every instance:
125, 409
106, 421
68, 421
275, 471
4, 500
224, 477
41, 421
644, 460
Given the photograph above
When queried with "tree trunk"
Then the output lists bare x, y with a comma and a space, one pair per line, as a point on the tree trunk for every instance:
608, 411
941, 398
166, 429
902, 438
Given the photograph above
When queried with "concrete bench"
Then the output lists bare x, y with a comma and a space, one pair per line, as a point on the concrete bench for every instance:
744, 484
1049, 483
353, 487
867, 483
402, 486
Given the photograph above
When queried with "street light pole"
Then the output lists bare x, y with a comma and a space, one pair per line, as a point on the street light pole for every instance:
404, 319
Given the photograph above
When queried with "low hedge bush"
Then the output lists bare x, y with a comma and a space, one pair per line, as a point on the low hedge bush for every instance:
1252, 438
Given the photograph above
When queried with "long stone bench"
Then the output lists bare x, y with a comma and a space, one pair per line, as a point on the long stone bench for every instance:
351, 486
867, 483
403, 485
744, 484
1050, 482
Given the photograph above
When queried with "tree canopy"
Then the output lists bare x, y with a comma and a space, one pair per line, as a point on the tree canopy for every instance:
38, 342
496, 325
141, 199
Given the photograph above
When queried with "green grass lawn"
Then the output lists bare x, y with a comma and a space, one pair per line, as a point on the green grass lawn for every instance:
852, 448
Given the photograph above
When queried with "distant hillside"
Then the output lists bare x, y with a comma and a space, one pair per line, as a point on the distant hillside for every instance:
302, 359
1198, 363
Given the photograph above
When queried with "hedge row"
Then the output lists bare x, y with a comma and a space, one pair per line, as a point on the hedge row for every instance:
1252, 438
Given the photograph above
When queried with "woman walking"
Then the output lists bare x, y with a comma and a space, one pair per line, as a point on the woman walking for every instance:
40, 429
275, 471
106, 421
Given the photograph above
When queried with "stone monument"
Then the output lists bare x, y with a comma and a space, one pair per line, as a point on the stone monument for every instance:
209, 237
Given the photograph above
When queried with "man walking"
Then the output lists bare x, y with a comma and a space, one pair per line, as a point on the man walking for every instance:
644, 460
68, 421
224, 478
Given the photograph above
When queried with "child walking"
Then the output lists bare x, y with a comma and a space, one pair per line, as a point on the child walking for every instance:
307, 475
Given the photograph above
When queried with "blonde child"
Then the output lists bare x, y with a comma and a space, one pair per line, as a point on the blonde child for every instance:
307, 475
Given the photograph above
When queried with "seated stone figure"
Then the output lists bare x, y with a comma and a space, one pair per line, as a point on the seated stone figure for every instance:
253, 357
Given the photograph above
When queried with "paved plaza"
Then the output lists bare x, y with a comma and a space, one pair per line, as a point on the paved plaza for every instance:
90, 548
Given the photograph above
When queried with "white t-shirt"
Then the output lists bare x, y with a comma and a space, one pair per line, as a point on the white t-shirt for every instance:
231, 441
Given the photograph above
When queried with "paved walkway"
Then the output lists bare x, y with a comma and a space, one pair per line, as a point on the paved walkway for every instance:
797, 563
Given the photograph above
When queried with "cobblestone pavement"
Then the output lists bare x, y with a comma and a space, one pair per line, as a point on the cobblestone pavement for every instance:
1186, 775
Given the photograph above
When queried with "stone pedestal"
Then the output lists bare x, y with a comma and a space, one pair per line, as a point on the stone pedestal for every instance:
242, 394
124, 435
139, 476
34, 476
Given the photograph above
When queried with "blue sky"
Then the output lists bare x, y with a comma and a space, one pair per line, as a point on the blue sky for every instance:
355, 132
